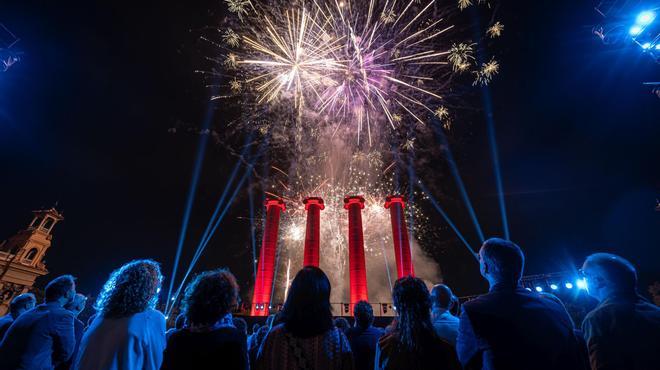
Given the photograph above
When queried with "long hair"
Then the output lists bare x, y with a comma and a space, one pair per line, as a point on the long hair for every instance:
411, 300
307, 311
131, 289
211, 295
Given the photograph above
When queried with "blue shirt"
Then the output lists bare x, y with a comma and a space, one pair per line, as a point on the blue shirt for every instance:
39, 339
363, 344
446, 327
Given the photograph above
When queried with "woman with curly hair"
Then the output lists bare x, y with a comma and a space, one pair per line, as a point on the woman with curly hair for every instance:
210, 340
307, 337
412, 343
127, 332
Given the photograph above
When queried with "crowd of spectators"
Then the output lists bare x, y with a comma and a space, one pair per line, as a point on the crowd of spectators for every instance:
508, 328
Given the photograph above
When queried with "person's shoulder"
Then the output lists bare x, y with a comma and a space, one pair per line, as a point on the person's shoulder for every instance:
151, 314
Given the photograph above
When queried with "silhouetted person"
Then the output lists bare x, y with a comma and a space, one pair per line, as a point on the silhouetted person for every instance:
210, 340
511, 328
127, 332
363, 337
413, 344
444, 323
306, 337
43, 337
241, 325
623, 331
20, 304
342, 324
179, 323
258, 338
77, 305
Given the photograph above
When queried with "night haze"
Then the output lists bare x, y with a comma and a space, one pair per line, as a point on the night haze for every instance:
101, 115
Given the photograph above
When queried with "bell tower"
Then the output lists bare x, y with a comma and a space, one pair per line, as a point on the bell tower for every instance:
22, 255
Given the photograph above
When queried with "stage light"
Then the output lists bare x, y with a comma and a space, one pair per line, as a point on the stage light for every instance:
581, 284
568, 285
167, 317
657, 46
645, 18
539, 289
646, 45
635, 30
530, 289
554, 286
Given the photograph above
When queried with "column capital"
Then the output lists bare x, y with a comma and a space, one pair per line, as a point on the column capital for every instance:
309, 201
276, 202
392, 199
355, 199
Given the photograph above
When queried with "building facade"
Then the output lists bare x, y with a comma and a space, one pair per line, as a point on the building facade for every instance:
22, 256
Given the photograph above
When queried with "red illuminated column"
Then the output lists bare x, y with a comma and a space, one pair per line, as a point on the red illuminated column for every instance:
356, 263
266, 269
404, 266
313, 206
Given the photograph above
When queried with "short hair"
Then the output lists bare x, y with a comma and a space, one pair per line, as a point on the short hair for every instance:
21, 301
240, 324
210, 296
442, 296
364, 314
59, 287
341, 323
77, 305
504, 258
616, 270
131, 289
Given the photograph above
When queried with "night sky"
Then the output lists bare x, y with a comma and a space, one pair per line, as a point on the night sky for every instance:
84, 121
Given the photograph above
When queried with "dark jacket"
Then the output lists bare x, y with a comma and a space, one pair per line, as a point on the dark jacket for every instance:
434, 354
78, 330
39, 339
224, 347
5, 323
363, 344
511, 328
623, 333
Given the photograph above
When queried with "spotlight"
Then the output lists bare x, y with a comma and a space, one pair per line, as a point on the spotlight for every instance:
581, 284
645, 18
657, 46
568, 285
646, 45
635, 30
530, 289
167, 317
554, 286
539, 289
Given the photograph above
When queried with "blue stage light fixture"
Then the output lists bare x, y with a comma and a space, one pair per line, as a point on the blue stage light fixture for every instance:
635, 30
554, 286
581, 284
539, 289
568, 285
645, 17
646, 45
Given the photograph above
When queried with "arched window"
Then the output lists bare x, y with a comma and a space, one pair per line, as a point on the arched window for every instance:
48, 224
36, 222
31, 254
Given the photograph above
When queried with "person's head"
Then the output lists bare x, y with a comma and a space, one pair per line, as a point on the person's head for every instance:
607, 274
412, 303
131, 289
240, 324
77, 305
21, 303
210, 296
180, 321
363, 314
307, 311
501, 261
442, 298
342, 324
61, 290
